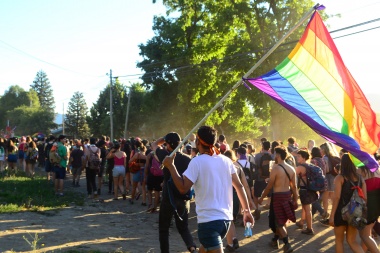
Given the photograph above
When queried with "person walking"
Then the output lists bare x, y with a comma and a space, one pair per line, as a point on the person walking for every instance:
118, 172
212, 175
342, 194
284, 198
181, 207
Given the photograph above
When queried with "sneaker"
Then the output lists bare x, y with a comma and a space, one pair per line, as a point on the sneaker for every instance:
194, 251
275, 243
229, 248
124, 197
256, 214
325, 222
308, 231
235, 243
287, 248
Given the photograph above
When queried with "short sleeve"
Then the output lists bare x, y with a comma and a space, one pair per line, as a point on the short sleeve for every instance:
192, 171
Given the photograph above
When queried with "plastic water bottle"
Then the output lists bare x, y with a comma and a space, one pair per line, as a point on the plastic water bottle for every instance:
248, 229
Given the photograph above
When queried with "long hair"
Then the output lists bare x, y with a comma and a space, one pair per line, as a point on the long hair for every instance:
347, 167
329, 150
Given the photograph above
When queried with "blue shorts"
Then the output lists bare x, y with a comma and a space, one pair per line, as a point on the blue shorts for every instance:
211, 234
21, 154
138, 176
60, 173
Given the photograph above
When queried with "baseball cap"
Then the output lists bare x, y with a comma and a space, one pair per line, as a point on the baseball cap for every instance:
173, 139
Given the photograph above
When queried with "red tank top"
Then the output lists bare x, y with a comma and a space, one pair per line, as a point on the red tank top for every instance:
118, 161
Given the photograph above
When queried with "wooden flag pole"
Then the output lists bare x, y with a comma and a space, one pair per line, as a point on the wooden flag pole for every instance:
306, 16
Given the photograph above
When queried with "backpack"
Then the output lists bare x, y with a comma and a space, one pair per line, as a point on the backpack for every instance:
248, 173
54, 157
264, 165
315, 178
155, 167
355, 211
33, 155
94, 160
334, 160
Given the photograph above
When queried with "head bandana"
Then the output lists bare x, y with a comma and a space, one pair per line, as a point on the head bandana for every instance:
211, 147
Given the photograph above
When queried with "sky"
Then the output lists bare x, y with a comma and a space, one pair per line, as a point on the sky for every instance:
77, 43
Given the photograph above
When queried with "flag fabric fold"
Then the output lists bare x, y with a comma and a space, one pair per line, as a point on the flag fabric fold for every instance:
314, 84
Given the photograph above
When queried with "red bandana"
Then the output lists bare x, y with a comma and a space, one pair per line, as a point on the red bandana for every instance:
211, 147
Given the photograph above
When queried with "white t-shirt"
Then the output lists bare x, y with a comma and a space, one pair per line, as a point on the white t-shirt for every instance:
212, 179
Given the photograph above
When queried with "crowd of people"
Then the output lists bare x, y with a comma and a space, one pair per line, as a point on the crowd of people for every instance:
223, 180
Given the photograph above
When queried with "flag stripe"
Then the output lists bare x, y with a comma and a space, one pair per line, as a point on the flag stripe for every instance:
314, 84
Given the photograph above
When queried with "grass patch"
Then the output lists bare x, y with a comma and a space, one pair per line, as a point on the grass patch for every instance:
20, 193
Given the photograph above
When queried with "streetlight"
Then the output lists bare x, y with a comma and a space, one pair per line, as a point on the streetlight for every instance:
126, 117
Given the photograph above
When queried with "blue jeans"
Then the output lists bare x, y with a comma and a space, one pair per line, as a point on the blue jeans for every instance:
211, 233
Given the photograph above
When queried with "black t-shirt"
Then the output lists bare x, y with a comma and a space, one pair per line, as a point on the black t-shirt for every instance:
103, 154
181, 162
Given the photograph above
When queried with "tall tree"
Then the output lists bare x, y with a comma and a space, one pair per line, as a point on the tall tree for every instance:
198, 55
75, 118
41, 85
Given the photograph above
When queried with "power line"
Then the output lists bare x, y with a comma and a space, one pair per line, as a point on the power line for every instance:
38, 59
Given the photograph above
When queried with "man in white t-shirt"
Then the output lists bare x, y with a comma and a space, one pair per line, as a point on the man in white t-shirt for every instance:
212, 176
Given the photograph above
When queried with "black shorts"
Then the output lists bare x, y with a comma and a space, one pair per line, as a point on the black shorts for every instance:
259, 187
154, 183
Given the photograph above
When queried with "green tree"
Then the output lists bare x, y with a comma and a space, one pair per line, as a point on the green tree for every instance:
198, 55
15, 97
99, 120
41, 85
75, 118
30, 120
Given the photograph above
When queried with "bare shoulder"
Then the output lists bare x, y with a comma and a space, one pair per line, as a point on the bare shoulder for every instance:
339, 179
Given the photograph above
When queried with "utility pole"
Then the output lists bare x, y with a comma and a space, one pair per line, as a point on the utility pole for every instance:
63, 118
126, 117
111, 112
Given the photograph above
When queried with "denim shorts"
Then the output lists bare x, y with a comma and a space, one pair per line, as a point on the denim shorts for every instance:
60, 173
118, 170
211, 233
138, 176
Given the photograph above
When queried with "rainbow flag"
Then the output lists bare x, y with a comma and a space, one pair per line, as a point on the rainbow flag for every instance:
314, 84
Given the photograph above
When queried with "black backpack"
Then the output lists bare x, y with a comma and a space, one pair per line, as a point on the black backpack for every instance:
248, 173
264, 165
